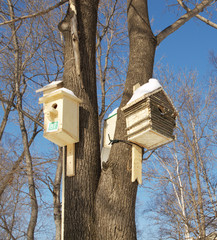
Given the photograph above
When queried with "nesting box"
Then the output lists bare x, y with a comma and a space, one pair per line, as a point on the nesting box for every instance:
150, 116
61, 114
109, 128
108, 132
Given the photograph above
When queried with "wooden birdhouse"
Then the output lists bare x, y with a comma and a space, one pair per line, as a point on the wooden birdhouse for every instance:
61, 114
61, 119
150, 116
150, 121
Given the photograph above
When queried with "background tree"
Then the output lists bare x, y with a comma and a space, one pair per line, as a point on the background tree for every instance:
185, 189
27, 52
111, 54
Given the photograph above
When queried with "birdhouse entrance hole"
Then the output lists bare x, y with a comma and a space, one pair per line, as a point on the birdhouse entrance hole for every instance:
161, 110
54, 106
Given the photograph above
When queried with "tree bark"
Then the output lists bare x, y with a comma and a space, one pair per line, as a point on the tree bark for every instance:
6, 115
81, 189
109, 213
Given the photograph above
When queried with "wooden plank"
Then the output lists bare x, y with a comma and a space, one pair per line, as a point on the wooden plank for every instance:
70, 161
136, 164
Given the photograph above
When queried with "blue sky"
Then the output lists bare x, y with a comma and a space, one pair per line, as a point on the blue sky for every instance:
189, 46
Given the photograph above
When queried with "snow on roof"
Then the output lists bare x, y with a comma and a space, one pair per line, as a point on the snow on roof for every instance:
54, 82
50, 86
64, 90
149, 87
67, 91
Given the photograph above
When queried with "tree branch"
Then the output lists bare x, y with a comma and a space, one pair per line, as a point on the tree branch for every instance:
182, 20
9, 102
205, 20
35, 14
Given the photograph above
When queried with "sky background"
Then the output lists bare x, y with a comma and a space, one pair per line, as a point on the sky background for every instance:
188, 48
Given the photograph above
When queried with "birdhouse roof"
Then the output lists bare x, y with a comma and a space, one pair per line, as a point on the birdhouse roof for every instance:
145, 92
50, 87
59, 93
146, 88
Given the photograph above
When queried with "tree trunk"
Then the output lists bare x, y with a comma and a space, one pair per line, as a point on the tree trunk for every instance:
103, 208
27, 154
116, 195
81, 189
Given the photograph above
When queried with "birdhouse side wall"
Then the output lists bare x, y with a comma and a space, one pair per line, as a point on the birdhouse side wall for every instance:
71, 118
162, 116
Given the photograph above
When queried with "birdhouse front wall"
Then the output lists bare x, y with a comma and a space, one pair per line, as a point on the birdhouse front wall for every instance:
138, 119
163, 116
52, 113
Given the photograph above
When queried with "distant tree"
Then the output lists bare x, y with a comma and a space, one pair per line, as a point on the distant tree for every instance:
26, 56
186, 195
111, 36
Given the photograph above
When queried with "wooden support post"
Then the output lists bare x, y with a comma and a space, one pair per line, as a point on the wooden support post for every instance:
63, 192
70, 162
136, 164
136, 86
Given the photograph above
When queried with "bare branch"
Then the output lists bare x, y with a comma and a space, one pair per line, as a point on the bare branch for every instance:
207, 21
35, 14
182, 20
10, 103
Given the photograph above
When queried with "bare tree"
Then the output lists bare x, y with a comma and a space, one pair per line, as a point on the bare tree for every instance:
186, 179
28, 52
111, 61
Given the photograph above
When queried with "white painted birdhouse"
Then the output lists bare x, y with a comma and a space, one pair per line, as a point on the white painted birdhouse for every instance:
61, 114
150, 116
108, 132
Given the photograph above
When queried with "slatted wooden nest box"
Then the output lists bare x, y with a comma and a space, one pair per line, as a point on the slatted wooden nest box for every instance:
150, 118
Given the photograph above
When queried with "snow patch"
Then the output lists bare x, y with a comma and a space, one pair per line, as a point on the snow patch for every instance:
149, 87
65, 90
53, 83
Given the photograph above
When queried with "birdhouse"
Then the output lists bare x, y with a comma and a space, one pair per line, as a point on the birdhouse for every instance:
150, 116
61, 114
108, 133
